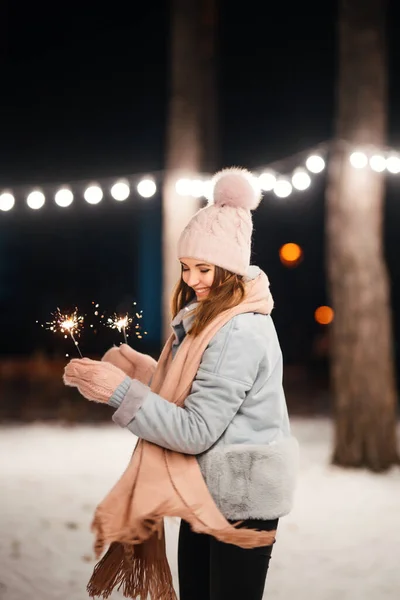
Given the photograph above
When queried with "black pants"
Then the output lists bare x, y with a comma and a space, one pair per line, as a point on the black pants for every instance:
212, 570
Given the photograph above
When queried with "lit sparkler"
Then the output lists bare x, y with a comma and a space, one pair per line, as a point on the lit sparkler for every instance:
68, 324
120, 323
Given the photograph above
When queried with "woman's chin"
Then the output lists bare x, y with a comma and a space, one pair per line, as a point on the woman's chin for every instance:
202, 296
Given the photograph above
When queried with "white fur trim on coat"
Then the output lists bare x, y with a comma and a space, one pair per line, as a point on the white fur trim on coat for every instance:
252, 482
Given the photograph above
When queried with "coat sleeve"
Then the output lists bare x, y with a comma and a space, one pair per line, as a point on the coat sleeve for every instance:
227, 372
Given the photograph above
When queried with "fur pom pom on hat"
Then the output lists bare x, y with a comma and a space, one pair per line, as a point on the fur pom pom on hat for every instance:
236, 187
220, 233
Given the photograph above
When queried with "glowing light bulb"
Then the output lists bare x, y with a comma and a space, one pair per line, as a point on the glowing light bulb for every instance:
393, 164
267, 181
301, 179
358, 160
183, 187
146, 188
7, 201
315, 163
377, 163
64, 197
120, 191
35, 200
282, 188
93, 194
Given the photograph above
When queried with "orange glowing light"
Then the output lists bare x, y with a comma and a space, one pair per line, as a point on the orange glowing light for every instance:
324, 315
290, 254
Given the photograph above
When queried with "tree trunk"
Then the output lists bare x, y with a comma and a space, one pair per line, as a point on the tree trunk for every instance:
190, 107
209, 94
362, 362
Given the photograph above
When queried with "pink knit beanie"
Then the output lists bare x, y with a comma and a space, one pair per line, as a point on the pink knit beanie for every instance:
220, 233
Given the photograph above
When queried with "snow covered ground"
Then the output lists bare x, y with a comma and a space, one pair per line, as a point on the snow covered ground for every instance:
342, 540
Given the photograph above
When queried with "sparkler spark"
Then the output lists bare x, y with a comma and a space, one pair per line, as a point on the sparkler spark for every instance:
120, 323
68, 324
117, 321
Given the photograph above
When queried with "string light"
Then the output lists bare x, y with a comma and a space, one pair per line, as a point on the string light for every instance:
301, 180
358, 160
275, 179
35, 200
146, 188
282, 188
183, 187
197, 188
7, 201
267, 181
393, 164
377, 163
315, 163
93, 194
120, 191
64, 197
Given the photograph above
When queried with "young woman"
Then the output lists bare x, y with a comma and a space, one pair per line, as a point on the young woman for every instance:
215, 445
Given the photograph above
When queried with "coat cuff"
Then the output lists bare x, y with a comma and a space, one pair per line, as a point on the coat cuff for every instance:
116, 399
132, 400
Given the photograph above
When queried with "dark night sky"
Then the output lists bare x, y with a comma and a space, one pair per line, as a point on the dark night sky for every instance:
84, 95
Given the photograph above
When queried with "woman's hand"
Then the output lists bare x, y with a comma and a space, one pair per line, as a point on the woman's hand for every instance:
124, 358
135, 364
95, 380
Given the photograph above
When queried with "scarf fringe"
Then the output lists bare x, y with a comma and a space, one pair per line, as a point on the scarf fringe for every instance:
108, 573
134, 571
141, 571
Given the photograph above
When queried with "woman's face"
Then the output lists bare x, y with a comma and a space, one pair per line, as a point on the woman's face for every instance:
198, 275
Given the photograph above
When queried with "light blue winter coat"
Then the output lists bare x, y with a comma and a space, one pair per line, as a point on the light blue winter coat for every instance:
235, 419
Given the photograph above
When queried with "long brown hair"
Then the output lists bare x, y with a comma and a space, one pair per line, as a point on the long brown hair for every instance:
227, 291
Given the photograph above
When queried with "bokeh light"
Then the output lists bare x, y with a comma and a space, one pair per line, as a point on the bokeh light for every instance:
267, 181
182, 187
64, 197
146, 188
93, 194
290, 254
358, 160
377, 163
7, 201
283, 188
301, 179
324, 315
120, 191
196, 188
393, 164
315, 163
35, 200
